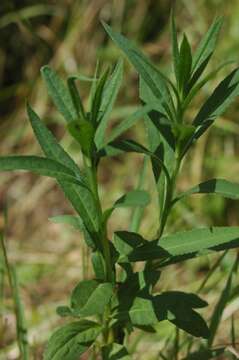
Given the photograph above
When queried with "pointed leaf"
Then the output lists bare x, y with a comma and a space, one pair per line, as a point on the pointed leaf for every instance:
188, 242
207, 44
175, 48
80, 198
133, 198
155, 81
59, 93
39, 165
221, 187
185, 63
109, 96
220, 99
72, 340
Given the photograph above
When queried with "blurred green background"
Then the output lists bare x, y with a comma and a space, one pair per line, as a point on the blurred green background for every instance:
68, 35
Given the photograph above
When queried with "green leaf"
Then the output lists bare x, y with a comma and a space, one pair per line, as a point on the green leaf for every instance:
72, 220
185, 63
109, 96
132, 146
188, 242
90, 297
222, 302
115, 351
174, 306
220, 99
133, 198
98, 98
72, 340
83, 132
59, 93
153, 78
128, 122
206, 46
39, 165
76, 99
221, 187
175, 48
125, 241
80, 198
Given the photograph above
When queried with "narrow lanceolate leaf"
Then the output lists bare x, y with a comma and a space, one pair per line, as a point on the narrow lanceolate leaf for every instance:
98, 97
109, 96
153, 78
72, 340
59, 93
90, 297
39, 165
207, 45
74, 221
75, 96
80, 198
185, 63
175, 49
188, 242
133, 198
220, 99
221, 187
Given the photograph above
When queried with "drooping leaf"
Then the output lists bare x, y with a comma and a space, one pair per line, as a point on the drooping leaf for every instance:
72, 220
206, 48
59, 93
39, 165
72, 340
126, 145
188, 243
80, 198
109, 96
133, 198
221, 187
154, 79
90, 297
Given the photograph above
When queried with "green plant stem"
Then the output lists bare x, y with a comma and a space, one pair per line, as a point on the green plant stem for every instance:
170, 188
91, 172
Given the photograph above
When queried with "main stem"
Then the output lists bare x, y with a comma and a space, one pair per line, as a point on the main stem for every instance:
91, 172
170, 188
